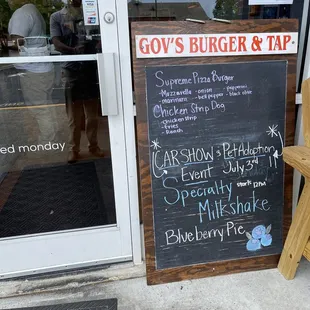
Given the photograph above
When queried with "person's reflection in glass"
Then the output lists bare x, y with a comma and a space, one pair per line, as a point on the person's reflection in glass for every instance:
27, 30
3, 42
68, 34
4, 93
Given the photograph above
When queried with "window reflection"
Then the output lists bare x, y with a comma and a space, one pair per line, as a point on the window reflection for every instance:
68, 32
169, 10
53, 174
39, 190
43, 28
27, 28
206, 9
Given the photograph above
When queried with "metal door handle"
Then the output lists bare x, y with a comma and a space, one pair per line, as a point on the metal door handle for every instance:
107, 83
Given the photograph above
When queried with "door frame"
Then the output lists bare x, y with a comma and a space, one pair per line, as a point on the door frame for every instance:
129, 121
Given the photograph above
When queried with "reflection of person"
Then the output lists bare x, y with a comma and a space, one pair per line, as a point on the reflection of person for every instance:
80, 79
4, 94
3, 42
4, 90
36, 79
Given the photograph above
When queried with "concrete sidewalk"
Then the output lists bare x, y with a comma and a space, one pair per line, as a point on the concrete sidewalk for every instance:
261, 290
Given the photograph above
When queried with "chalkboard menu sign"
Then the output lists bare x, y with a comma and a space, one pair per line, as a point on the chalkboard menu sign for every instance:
216, 137
215, 193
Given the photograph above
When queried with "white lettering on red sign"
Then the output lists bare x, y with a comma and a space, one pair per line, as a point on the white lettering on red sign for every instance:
195, 45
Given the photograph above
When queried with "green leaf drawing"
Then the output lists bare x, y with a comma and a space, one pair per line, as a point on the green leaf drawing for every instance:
249, 236
268, 230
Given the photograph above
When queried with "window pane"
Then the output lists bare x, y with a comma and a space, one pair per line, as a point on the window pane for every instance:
205, 9
47, 27
49, 112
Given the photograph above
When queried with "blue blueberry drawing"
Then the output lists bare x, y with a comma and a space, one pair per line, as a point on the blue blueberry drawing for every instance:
266, 240
253, 245
258, 231
260, 237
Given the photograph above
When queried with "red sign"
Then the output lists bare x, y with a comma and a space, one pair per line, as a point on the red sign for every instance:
198, 45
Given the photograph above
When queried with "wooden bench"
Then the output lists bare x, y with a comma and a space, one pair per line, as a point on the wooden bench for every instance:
297, 243
307, 251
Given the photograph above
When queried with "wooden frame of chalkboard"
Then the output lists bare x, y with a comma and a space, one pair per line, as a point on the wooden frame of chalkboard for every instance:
227, 266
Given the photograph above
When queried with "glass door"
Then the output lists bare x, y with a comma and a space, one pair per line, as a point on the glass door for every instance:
64, 200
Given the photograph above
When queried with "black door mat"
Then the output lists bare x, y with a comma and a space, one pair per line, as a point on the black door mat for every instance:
104, 304
62, 197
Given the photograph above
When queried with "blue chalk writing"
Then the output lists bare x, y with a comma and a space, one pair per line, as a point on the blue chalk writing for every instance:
195, 183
